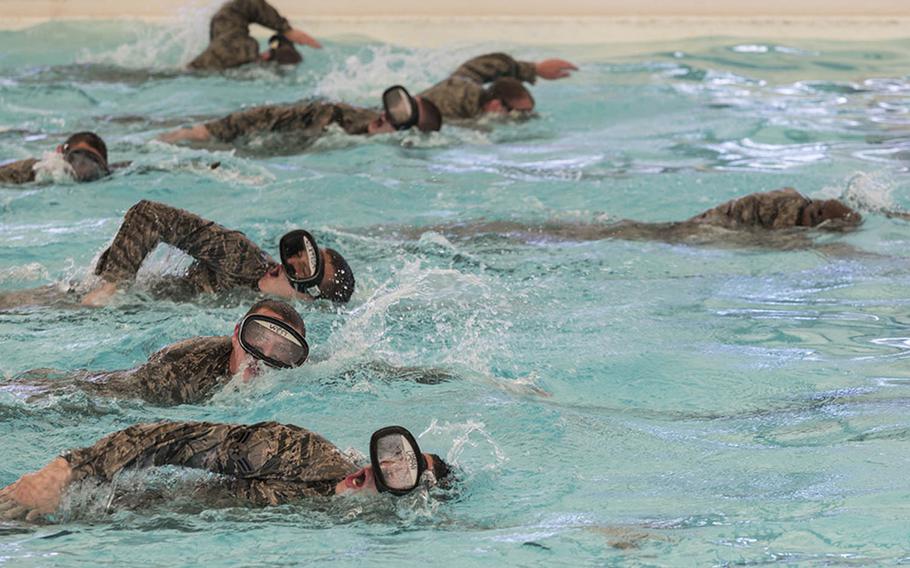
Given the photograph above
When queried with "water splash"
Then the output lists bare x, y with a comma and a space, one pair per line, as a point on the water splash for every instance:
162, 47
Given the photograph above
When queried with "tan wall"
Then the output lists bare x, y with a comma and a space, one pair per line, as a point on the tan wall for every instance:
537, 22
534, 8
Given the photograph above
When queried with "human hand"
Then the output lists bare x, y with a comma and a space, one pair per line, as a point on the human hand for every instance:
35, 494
302, 38
100, 296
554, 68
195, 133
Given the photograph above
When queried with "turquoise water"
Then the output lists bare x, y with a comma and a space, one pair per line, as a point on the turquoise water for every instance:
610, 402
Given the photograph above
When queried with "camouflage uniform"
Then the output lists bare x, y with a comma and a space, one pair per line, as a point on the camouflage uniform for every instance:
779, 209
22, 171
230, 43
461, 95
758, 219
306, 119
266, 463
187, 372
224, 259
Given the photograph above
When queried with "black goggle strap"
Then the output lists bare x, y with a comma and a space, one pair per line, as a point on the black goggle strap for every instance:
400, 107
275, 327
408, 453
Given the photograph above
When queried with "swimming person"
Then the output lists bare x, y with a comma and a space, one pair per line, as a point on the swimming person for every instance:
85, 154
191, 371
230, 43
465, 94
224, 259
303, 122
263, 464
773, 218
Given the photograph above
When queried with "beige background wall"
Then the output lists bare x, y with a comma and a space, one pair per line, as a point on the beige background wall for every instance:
437, 22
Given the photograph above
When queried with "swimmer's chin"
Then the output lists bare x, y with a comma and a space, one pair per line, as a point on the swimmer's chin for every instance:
248, 370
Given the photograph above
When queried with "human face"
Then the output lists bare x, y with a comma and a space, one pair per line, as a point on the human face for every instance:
362, 480
242, 362
275, 281
500, 106
82, 145
380, 125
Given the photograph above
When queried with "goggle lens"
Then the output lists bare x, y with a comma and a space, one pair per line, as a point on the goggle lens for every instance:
273, 341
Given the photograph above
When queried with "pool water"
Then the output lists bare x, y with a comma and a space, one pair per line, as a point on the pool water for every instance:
605, 402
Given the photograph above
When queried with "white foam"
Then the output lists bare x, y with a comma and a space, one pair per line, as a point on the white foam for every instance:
162, 47
866, 192
53, 169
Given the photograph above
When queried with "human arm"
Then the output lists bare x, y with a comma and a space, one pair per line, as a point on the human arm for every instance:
492, 66
263, 13
230, 257
261, 454
19, 172
195, 133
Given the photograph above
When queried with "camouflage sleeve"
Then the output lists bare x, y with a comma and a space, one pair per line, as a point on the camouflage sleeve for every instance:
231, 258
303, 118
263, 451
492, 66
261, 12
778, 209
19, 172
243, 122
187, 372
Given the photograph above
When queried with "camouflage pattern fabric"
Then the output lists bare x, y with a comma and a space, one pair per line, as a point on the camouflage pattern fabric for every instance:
230, 43
188, 372
269, 463
224, 259
307, 119
18, 172
461, 95
779, 209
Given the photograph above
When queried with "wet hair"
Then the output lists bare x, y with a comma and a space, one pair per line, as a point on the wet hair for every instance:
508, 90
341, 286
430, 117
91, 139
841, 215
287, 313
441, 470
285, 53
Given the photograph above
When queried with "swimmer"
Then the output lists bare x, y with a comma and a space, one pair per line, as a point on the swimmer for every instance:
85, 154
775, 218
224, 259
230, 43
308, 120
465, 94
191, 371
264, 464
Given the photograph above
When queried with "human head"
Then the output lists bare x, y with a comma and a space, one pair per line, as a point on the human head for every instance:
240, 359
86, 154
362, 480
336, 284
282, 51
427, 119
505, 95
840, 215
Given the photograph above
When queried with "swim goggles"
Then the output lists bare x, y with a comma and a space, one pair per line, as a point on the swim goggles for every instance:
400, 107
397, 460
86, 164
273, 341
302, 261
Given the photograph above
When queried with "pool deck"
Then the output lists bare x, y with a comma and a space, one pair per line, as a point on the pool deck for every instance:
438, 23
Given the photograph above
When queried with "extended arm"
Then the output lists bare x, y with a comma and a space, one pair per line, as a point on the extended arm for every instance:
262, 453
492, 66
226, 253
263, 13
